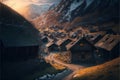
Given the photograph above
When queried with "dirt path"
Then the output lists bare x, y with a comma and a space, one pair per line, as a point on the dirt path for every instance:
72, 67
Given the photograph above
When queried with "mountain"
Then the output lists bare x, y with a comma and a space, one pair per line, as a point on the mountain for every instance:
83, 7
31, 9
15, 30
34, 10
73, 13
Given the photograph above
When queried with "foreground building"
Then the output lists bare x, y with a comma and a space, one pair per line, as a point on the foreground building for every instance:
81, 51
108, 47
19, 39
95, 36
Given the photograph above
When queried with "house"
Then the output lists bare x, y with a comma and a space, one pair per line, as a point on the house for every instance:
93, 28
52, 47
95, 36
1, 50
106, 26
81, 50
19, 40
110, 31
107, 48
44, 39
73, 35
62, 44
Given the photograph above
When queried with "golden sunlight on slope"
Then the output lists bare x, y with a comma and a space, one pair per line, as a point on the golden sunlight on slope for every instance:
53, 63
104, 71
17, 5
46, 20
25, 12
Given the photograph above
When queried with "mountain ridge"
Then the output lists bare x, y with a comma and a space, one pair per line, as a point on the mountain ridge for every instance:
82, 12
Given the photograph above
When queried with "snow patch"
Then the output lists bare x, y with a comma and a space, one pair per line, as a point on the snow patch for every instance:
75, 4
88, 2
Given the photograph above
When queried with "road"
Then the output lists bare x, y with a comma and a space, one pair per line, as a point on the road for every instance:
73, 67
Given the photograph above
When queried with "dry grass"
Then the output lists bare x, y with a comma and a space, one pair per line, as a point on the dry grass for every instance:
58, 66
107, 71
64, 57
54, 64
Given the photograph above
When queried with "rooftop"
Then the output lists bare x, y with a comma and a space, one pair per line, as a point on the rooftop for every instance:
72, 43
108, 42
92, 37
60, 42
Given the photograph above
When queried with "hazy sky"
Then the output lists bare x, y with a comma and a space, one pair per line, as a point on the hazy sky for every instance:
37, 6
17, 4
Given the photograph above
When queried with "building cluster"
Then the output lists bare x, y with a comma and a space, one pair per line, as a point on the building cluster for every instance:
96, 47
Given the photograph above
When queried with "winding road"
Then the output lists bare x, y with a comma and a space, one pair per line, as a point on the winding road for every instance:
73, 67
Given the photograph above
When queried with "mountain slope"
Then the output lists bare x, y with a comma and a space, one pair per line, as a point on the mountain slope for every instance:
74, 13
30, 9
16, 30
107, 71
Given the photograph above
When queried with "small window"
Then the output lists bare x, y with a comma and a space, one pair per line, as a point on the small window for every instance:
81, 44
91, 36
99, 55
106, 39
97, 51
112, 41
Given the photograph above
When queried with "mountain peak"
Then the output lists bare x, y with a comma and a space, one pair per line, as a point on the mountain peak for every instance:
73, 13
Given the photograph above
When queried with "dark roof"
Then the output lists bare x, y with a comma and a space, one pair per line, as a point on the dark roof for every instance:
50, 44
98, 33
108, 42
16, 30
44, 38
74, 42
70, 45
95, 36
62, 41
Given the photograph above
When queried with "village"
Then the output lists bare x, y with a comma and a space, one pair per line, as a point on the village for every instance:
81, 44
74, 41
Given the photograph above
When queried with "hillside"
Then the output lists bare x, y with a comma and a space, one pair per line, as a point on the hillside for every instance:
70, 14
107, 71
15, 29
